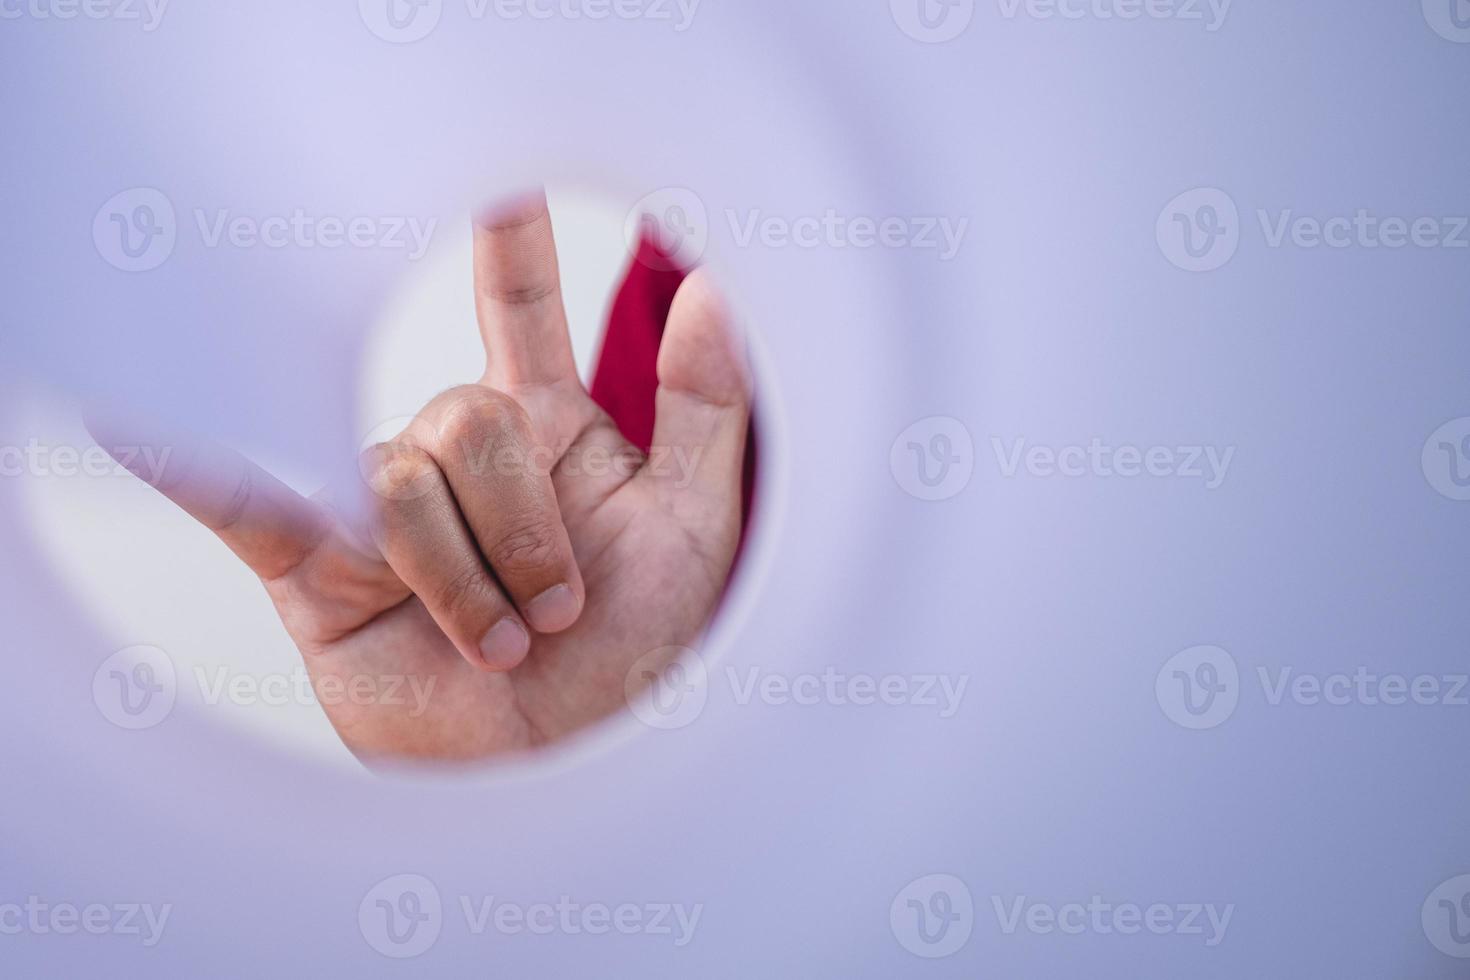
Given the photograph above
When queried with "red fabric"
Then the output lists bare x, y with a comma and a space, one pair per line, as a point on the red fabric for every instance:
627, 369
626, 379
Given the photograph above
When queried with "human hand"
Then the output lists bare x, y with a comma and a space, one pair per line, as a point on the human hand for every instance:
519, 552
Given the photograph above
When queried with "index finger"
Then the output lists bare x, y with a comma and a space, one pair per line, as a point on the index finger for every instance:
518, 299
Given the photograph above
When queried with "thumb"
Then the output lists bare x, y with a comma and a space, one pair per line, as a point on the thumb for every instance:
704, 397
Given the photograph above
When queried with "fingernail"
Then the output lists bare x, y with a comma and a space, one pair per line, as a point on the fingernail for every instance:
506, 645
554, 610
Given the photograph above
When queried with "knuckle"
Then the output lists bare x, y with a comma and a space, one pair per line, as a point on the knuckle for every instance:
529, 545
483, 429
473, 412
397, 470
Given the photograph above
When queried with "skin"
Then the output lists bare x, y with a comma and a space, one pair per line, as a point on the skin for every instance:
513, 505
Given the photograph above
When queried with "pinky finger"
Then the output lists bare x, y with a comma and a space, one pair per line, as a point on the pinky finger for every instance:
266, 523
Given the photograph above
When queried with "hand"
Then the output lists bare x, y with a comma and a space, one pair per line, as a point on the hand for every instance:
521, 556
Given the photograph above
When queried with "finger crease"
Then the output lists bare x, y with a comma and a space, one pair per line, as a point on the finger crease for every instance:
521, 296
239, 501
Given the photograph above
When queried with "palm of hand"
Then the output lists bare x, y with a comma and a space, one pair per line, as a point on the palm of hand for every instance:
651, 586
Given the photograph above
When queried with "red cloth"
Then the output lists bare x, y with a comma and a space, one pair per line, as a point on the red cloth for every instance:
626, 379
